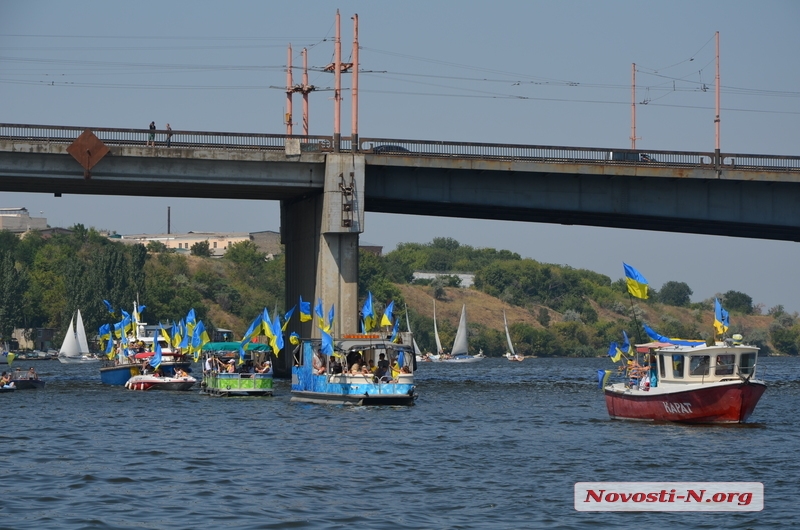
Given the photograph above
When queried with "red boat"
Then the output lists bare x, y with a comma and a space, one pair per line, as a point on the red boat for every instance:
693, 384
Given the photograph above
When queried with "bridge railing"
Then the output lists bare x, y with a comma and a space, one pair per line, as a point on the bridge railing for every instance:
397, 147
177, 138
592, 155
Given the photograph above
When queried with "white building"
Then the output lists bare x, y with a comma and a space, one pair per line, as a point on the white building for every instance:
18, 220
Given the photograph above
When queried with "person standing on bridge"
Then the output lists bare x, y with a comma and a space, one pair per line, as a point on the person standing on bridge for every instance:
169, 134
151, 138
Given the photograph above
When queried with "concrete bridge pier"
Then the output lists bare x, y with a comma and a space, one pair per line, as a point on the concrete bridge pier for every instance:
320, 233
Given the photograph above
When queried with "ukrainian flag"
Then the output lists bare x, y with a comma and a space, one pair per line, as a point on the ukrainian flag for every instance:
720, 318
637, 284
602, 378
305, 310
614, 352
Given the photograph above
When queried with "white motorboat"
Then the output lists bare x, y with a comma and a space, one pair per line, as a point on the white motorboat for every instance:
155, 382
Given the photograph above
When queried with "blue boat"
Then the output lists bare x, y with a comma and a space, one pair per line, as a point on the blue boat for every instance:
128, 362
340, 378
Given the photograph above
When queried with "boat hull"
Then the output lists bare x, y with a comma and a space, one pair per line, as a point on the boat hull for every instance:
728, 402
118, 375
28, 384
222, 384
83, 359
149, 382
353, 399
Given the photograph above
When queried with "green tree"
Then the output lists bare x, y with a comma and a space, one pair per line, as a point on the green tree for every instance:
736, 301
11, 289
157, 246
202, 249
675, 293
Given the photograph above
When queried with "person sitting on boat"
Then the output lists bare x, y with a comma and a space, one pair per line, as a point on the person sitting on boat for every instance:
231, 367
318, 363
355, 369
146, 368
264, 368
335, 365
371, 366
180, 372
32, 373
5, 381
365, 370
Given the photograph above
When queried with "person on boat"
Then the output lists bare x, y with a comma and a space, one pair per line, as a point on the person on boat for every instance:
32, 373
383, 366
146, 368
264, 368
355, 369
318, 363
231, 367
371, 366
180, 372
5, 381
335, 365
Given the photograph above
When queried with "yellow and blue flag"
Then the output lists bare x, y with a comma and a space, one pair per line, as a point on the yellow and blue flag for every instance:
602, 378
155, 362
286, 318
294, 338
614, 352
386, 320
305, 310
626, 344
721, 319
109, 306
327, 343
368, 314
637, 284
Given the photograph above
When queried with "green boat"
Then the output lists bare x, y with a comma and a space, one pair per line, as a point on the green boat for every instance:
226, 373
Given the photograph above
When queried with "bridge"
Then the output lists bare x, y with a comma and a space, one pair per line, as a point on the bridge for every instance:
325, 187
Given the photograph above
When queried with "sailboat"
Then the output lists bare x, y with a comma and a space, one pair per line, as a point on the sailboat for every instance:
439, 350
75, 348
417, 352
460, 345
511, 355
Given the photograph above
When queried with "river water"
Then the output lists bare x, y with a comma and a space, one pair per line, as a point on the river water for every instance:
488, 445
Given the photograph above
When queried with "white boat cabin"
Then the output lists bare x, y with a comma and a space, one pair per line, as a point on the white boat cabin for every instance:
723, 361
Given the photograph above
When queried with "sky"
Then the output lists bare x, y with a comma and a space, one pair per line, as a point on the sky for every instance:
524, 72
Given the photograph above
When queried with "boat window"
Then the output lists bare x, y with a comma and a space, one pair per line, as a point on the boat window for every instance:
698, 364
724, 365
661, 369
747, 364
677, 366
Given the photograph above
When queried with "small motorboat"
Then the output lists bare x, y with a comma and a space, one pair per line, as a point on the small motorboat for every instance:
157, 382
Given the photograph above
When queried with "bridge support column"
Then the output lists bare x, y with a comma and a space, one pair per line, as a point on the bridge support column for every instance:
320, 234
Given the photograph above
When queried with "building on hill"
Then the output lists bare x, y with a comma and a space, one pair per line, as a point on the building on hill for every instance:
371, 248
467, 279
218, 243
18, 221
268, 242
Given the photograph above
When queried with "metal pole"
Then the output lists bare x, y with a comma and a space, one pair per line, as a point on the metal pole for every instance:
305, 92
354, 125
289, 92
168, 220
716, 118
633, 105
337, 86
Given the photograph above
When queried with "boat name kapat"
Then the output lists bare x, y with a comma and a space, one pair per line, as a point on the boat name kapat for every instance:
677, 408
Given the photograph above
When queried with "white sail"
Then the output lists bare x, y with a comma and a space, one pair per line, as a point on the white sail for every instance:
70, 346
460, 345
508, 336
436, 331
417, 351
80, 333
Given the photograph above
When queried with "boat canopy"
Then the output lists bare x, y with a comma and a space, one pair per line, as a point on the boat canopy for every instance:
234, 346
